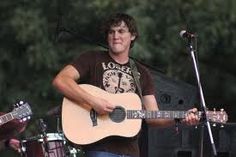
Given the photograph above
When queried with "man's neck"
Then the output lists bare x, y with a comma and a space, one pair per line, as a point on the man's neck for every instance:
121, 58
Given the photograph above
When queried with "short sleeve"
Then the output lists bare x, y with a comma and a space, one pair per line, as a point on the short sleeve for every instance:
83, 63
147, 81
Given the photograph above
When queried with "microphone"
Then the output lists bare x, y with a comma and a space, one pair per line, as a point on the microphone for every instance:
186, 34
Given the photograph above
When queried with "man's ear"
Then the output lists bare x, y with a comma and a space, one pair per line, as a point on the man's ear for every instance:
133, 37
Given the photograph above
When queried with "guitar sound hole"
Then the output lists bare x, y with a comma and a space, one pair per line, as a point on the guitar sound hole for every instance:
118, 114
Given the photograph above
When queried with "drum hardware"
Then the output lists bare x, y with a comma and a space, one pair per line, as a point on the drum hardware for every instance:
72, 151
48, 144
57, 147
59, 130
43, 128
35, 147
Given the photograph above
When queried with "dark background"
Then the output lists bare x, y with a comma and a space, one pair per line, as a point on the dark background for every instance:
37, 38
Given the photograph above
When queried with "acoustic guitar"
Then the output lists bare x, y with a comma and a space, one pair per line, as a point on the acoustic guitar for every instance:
22, 111
82, 125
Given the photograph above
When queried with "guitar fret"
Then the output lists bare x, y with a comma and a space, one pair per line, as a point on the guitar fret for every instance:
127, 114
148, 114
158, 114
6, 118
9, 116
142, 114
166, 114
176, 114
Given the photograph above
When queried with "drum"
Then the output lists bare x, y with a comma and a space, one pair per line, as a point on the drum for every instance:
39, 146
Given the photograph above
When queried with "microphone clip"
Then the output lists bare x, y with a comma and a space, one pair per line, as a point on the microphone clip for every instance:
186, 34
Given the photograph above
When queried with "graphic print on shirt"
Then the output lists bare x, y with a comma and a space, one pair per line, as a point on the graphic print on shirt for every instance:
117, 78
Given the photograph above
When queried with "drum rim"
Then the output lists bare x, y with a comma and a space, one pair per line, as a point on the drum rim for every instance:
50, 137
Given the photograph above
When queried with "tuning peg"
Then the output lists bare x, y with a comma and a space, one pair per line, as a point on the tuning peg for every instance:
222, 110
24, 119
21, 102
214, 124
15, 105
222, 126
214, 109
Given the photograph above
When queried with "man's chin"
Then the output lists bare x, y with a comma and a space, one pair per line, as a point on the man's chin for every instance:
117, 50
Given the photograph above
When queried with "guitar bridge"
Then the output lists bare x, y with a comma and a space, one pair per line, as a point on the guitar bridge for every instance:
93, 117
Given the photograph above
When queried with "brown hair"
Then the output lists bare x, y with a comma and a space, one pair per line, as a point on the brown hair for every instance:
115, 20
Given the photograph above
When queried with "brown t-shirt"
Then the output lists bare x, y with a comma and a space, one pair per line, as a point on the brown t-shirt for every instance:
99, 69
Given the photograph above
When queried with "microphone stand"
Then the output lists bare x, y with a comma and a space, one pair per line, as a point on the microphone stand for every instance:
203, 104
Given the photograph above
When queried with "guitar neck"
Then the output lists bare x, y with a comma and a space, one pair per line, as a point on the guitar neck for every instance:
143, 114
6, 118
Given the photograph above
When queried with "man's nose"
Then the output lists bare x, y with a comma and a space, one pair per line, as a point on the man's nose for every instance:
116, 34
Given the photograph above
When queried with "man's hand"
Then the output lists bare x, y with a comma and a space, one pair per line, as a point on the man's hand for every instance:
14, 144
191, 118
102, 106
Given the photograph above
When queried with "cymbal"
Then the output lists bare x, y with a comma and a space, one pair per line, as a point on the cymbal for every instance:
55, 111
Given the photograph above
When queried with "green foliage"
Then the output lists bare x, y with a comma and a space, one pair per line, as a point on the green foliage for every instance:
34, 47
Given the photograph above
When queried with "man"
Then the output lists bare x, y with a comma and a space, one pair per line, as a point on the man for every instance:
8, 132
111, 71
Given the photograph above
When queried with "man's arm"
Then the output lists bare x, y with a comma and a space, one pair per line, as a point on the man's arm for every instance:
65, 82
151, 104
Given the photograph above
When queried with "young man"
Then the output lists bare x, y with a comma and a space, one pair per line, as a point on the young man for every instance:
111, 71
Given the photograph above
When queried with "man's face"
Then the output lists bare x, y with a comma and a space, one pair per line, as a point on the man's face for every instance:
119, 38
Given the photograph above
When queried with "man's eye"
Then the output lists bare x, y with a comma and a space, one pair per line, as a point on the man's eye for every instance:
121, 31
110, 32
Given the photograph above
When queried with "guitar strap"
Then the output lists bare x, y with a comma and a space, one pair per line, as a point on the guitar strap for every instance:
136, 76
143, 138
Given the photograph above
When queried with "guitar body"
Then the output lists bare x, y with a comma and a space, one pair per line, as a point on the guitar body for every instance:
79, 127
82, 125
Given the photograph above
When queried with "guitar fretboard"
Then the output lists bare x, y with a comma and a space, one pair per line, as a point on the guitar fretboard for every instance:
142, 114
6, 118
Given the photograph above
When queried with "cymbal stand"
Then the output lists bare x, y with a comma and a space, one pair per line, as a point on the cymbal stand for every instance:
43, 128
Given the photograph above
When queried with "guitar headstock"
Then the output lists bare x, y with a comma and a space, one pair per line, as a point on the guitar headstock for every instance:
217, 116
22, 111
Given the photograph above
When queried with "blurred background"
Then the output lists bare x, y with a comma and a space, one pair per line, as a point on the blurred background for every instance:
38, 38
